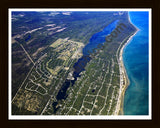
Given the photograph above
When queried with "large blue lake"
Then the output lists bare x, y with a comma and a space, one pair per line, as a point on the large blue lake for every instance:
136, 61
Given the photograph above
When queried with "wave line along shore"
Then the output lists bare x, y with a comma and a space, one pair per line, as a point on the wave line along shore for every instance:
124, 81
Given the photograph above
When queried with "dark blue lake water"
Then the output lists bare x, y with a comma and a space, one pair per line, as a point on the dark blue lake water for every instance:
29, 36
99, 38
136, 59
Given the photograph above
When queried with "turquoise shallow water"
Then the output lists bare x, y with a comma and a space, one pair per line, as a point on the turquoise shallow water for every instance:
136, 61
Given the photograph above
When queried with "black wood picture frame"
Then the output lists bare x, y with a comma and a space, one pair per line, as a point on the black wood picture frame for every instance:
6, 4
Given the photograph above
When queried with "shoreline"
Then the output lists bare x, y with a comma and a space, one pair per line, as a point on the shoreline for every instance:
127, 82
123, 78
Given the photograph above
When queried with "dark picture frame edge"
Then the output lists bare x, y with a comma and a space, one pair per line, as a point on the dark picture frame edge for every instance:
154, 5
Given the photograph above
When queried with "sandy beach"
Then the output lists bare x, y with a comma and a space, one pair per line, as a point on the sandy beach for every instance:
124, 81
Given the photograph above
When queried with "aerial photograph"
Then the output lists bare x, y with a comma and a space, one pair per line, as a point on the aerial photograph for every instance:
79, 62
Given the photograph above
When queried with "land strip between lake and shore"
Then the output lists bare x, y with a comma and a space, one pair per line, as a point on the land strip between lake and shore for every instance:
124, 81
